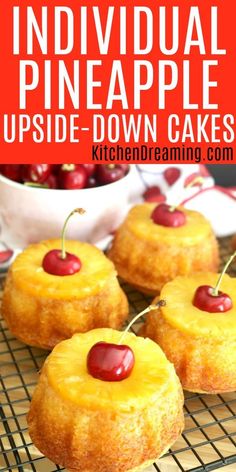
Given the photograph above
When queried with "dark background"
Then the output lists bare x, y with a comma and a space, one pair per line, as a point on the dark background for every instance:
224, 175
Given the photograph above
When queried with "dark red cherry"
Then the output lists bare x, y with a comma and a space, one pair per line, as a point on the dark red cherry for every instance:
90, 168
56, 168
55, 265
51, 181
72, 177
12, 171
205, 300
91, 183
171, 175
110, 362
37, 173
125, 168
163, 215
107, 174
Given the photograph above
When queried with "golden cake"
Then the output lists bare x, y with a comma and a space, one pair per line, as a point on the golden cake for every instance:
42, 309
91, 425
147, 255
201, 344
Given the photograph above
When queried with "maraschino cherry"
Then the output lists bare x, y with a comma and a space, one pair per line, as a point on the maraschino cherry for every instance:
167, 215
114, 362
60, 262
110, 362
210, 299
170, 215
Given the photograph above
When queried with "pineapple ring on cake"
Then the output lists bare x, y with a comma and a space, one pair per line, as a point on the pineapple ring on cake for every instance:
201, 345
87, 424
42, 309
148, 255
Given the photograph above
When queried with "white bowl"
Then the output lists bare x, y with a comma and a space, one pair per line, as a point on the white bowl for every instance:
33, 214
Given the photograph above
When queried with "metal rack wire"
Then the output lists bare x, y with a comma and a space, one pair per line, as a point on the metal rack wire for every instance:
208, 442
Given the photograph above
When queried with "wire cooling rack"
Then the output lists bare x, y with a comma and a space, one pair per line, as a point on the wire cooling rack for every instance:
208, 442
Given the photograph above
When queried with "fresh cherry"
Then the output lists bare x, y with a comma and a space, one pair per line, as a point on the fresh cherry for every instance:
90, 168
37, 173
58, 261
114, 362
109, 173
66, 176
110, 362
12, 172
56, 168
72, 177
91, 182
51, 181
210, 299
165, 215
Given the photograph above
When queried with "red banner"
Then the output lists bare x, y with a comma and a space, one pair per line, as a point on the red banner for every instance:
122, 83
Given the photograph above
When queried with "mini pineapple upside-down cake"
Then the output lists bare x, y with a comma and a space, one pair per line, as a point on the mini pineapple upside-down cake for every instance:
102, 405
158, 242
197, 330
50, 293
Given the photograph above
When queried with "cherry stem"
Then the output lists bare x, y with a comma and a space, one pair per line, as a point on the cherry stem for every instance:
216, 289
68, 167
197, 180
81, 211
149, 308
36, 185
